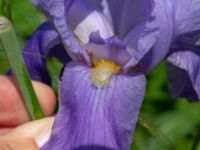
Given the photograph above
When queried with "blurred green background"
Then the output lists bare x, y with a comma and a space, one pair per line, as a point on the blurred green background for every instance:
164, 123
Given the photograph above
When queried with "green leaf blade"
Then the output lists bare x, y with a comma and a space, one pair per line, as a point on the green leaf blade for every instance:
9, 42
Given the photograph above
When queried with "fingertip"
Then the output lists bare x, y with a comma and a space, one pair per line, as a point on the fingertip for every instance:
18, 143
46, 97
12, 109
39, 133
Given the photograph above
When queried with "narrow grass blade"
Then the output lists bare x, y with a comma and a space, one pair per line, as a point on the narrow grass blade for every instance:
9, 42
161, 139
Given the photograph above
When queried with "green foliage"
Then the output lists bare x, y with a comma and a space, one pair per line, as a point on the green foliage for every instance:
25, 17
3, 62
54, 68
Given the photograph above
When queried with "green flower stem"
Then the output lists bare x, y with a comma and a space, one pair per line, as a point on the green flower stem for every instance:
10, 45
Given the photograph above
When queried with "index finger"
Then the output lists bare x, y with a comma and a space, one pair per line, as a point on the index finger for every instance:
12, 109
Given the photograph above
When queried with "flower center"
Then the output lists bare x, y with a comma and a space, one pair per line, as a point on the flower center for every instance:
102, 71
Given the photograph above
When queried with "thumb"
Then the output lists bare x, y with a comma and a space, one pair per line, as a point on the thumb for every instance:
31, 135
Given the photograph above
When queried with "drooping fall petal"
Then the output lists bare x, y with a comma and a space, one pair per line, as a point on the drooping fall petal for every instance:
93, 118
43, 43
184, 75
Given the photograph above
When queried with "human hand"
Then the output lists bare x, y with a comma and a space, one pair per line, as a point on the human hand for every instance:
14, 135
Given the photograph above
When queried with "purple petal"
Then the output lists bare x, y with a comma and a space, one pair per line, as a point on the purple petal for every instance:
85, 19
108, 52
186, 26
59, 12
184, 75
111, 49
148, 31
42, 44
176, 20
179, 25
126, 14
96, 118
155, 37
186, 16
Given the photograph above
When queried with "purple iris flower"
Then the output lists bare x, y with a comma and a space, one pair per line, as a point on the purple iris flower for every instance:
112, 44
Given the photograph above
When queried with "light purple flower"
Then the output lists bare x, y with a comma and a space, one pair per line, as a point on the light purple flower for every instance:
113, 43
100, 99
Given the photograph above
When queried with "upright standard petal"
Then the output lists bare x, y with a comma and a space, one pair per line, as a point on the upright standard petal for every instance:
58, 10
96, 118
154, 42
79, 16
184, 75
186, 16
44, 42
84, 19
125, 15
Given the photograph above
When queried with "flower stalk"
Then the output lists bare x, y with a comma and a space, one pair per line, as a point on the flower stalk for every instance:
9, 43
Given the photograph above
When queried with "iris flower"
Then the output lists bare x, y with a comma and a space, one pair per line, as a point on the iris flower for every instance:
112, 44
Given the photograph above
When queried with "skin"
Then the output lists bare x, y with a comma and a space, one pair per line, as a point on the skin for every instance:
17, 131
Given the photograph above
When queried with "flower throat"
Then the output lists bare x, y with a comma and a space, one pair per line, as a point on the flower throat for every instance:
102, 71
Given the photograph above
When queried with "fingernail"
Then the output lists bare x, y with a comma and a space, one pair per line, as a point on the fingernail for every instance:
42, 138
